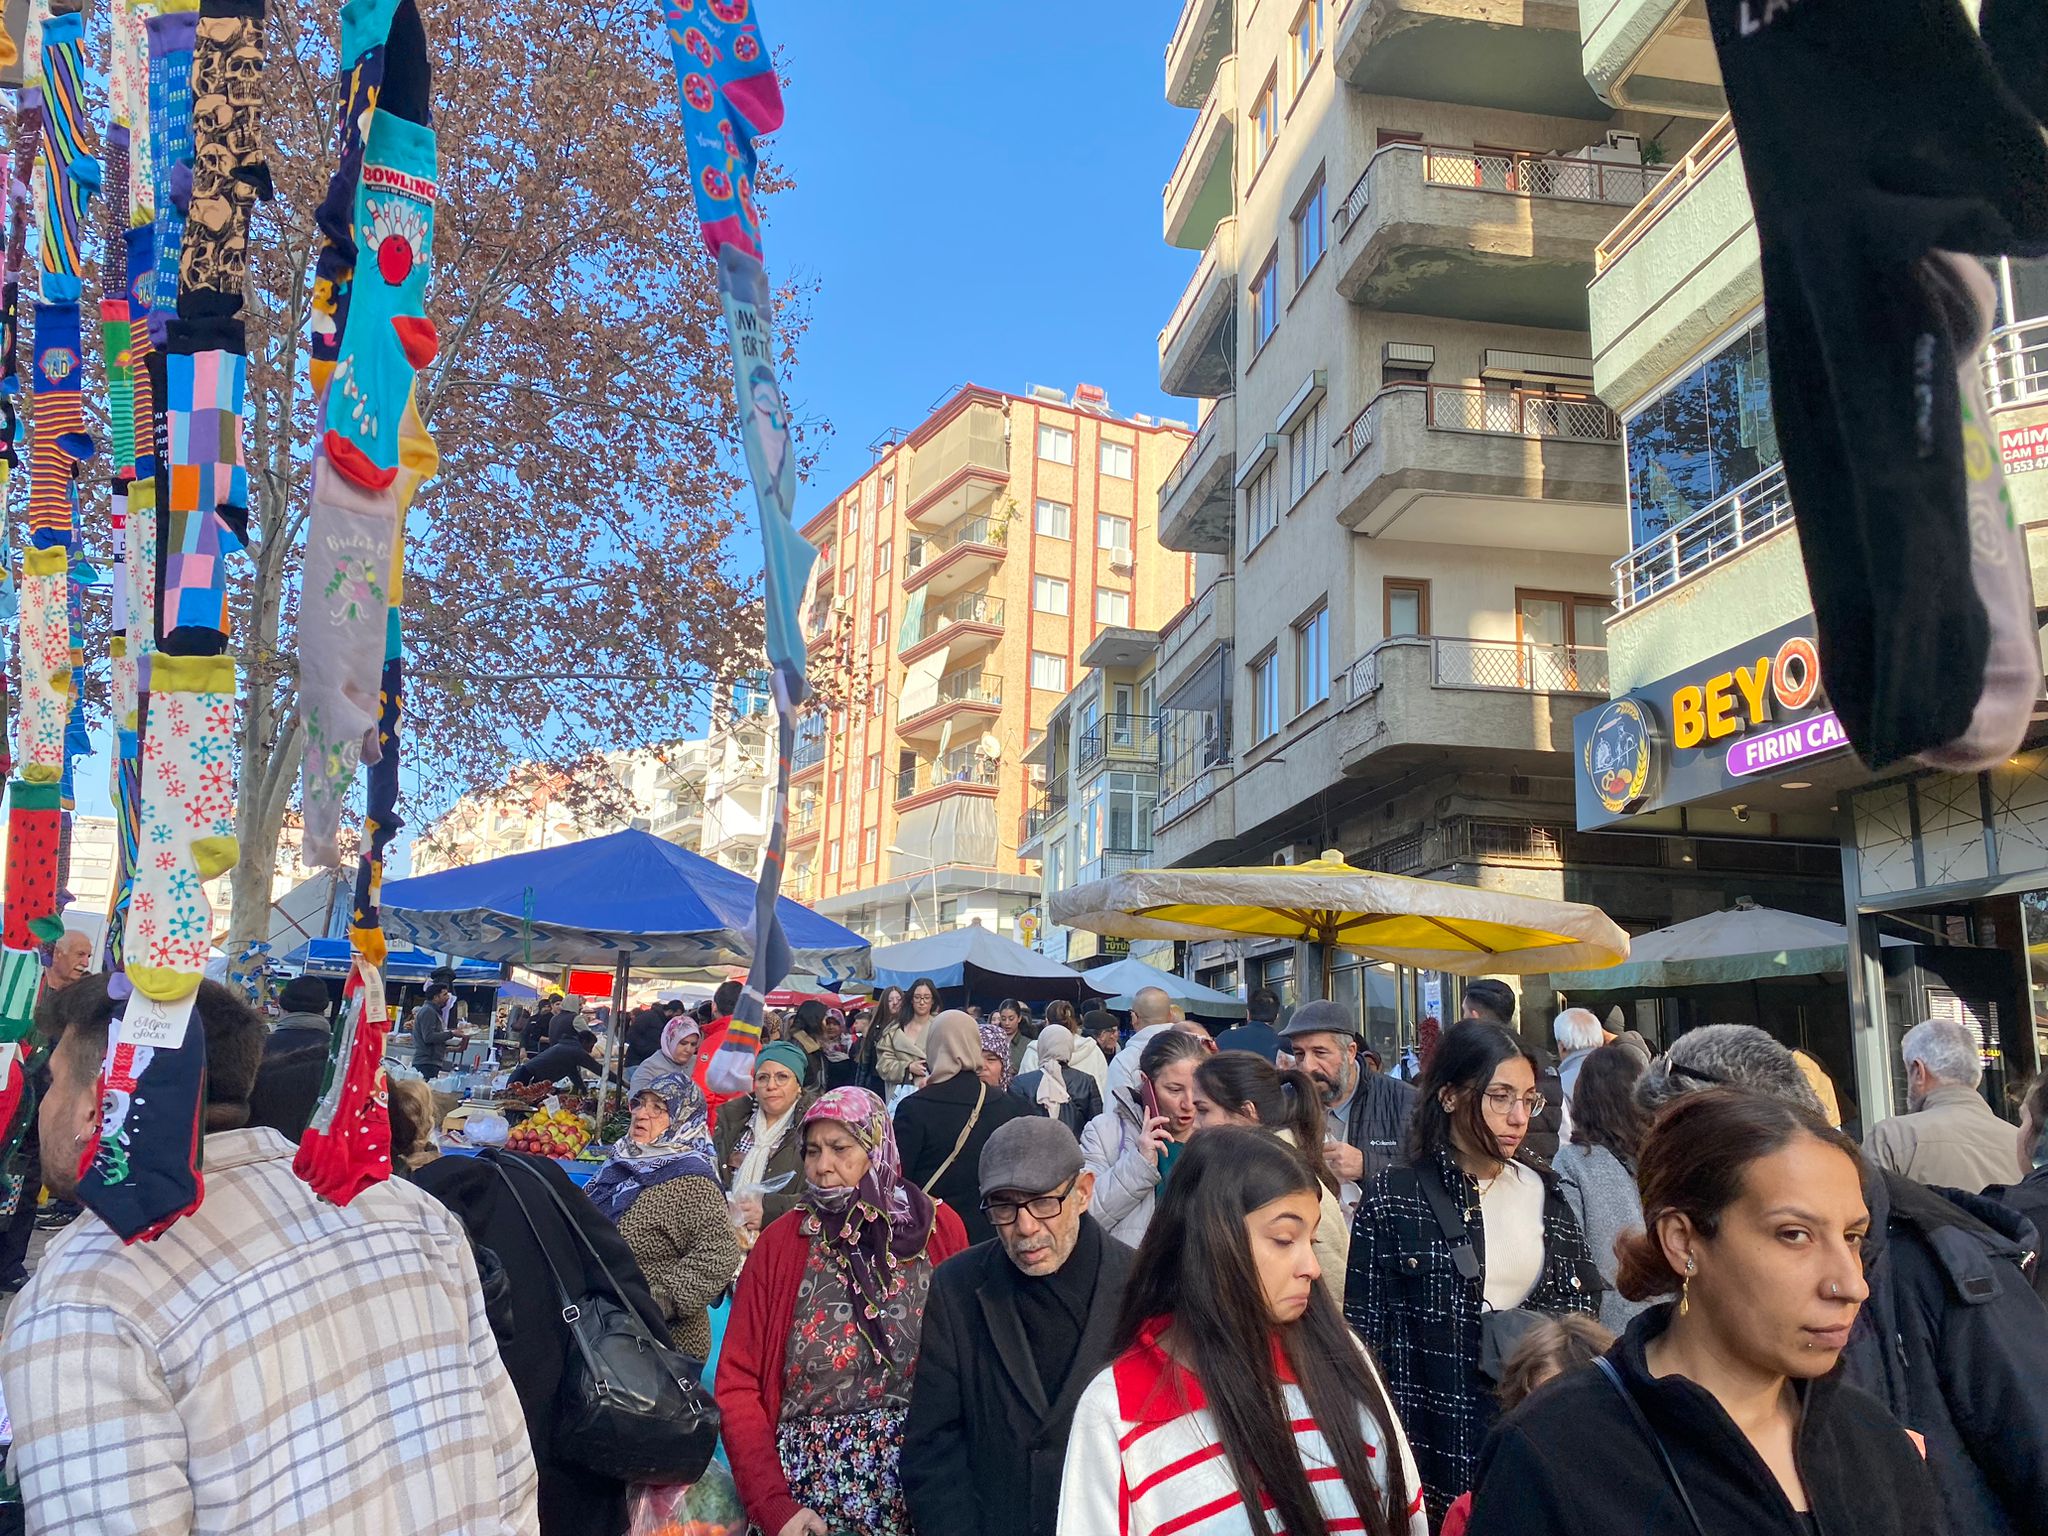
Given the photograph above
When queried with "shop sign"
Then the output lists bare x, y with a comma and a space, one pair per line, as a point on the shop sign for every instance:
1786, 744
2023, 447
1112, 944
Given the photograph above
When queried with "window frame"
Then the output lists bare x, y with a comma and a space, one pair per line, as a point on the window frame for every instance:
1311, 630
1055, 657
1130, 532
870, 845
1045, 427
1065, 593
885, 554
1103, 449
1308, 432
1038, 506
1263, 294
1123, 597
1254, 534
1388, 587
1265, 690
888, 492
1313, 210
1264, 122
1301, 63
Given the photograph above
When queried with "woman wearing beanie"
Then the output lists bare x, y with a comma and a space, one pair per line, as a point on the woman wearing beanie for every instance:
941, 1128
760, 1154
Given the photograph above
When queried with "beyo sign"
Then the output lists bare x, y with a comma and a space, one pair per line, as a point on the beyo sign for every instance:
1741, 699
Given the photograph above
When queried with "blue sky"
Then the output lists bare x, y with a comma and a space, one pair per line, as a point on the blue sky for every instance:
977, 197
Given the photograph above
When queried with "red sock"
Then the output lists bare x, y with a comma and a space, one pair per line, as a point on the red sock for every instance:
33, 825
347, 1145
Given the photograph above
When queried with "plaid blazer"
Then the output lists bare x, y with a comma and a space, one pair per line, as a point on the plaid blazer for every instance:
1405, 1297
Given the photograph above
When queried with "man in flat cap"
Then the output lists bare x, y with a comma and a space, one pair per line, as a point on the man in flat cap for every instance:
1013, 1331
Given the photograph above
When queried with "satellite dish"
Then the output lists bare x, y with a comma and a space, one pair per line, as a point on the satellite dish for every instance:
991, 748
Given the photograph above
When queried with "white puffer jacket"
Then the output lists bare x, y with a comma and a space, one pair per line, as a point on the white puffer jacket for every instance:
1126, 1180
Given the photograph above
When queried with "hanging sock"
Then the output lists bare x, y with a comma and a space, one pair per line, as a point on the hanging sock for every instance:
389, 337
71, 174
365, 30
346, 1146
45, 664
170, 150
228, 171
139, 1171
59, 443
1865, 349
209, 491
33, 827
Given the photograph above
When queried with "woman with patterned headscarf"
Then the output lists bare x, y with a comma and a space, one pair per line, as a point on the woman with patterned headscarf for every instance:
944, 1125
814, 1374
660, 1187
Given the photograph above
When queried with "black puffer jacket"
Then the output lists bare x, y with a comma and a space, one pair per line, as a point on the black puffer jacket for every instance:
1954, 1342
1572, 1461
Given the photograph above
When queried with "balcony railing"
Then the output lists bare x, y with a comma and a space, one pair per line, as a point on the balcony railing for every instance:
925, 548
1052, 799
804, 819
1510, 666
1196, 447
1477, 408
967, 608
970, 687
1711, 146
1114, 861
1189, 622
1719, 530
1514, 173
809, 752
1220, 255
1133, 738
973, 442
965, 766
1186, 763
2016, 364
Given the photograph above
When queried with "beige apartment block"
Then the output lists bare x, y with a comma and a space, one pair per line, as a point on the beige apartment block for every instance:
958, 584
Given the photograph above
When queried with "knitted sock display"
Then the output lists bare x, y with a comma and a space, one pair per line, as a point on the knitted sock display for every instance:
344, 603
209, 494
71, 174
389, 337
33, 819
59, 443
1863, 349
188, 821
45, 664
140, 1168
365, 26
228, 170
347, 1145
170, 151
128, 96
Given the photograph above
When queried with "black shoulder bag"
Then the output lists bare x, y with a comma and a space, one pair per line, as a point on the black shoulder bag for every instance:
1499, 1332
1642, 1420
630, 1406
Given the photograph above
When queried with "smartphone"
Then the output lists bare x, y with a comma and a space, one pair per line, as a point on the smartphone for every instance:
1147, 1099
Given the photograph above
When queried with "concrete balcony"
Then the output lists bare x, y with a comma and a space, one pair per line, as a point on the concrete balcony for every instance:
1200, 41
1485, 468
1678, 270
1506, 239
1197, 500
1198, 195
1652, 55
964, 698
960, 468
962, 771
1191, 641
1499, 703
1519, 55
1118, 741
1197, 812
943, 563
967, 625
1196, 347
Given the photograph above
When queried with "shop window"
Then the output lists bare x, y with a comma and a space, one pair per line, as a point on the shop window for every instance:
1705, 436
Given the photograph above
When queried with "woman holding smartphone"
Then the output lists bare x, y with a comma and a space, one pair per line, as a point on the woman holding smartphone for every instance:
1132, 1146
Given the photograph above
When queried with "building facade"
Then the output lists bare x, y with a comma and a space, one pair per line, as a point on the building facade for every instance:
1404, 495
959, 583
1718, 744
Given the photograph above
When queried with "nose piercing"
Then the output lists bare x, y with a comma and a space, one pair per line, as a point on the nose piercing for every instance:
1834, 1288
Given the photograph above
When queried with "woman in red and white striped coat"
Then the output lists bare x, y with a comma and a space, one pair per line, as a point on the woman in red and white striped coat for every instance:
1231, 1365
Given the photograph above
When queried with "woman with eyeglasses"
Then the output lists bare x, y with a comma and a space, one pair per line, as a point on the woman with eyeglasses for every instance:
1459, 1229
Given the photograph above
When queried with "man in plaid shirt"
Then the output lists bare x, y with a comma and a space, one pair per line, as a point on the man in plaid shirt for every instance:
270, 1364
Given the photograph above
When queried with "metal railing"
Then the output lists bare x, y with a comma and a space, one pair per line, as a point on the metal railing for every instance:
970, 687
967, 608
808, 753
964, 766
1513, 173
1494, 412
1523, 666
1185, 625
1363, 677
1220, 256
804, 819
1184, 766
1750, 512
992, 533
1052, 800
1114, 861
1199, 444
2016, 364
1717, 142
1129, 737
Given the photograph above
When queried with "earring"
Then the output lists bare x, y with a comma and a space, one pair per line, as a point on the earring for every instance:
1685, 1288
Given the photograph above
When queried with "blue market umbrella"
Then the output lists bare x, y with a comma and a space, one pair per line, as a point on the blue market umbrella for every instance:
626, 899
984, 963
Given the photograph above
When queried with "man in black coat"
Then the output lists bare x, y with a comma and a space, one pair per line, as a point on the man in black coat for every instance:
1014, 1330
1366, 1112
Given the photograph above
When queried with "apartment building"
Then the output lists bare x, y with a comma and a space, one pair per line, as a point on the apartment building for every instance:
710, 794
959, 583
1404, 496
1942, 879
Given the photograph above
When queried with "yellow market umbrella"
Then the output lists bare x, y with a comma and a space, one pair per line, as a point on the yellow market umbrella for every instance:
1427, 924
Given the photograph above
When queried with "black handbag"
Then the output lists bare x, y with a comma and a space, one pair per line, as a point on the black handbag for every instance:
630, 1406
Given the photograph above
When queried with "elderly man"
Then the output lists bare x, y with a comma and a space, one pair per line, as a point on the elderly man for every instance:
1949, 1136
1578, 1035
1013, 1331
1367, 1111
1952, 1340
70, 960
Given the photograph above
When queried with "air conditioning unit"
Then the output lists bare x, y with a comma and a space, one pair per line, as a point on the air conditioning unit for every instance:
1283, 858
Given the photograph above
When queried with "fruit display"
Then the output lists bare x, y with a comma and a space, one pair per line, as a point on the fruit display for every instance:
550, 1133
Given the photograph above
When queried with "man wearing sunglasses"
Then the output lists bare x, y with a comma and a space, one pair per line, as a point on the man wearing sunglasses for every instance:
1013, 1331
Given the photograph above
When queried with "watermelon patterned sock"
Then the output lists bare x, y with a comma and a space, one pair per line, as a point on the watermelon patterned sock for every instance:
228, 171
389, 337
188, 821
140, 1169
59, 444
209, 491
45, 663
33, 825
170, 153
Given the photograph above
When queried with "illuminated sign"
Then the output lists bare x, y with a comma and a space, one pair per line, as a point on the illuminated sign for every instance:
1786, 744
1741, 698
1617, 756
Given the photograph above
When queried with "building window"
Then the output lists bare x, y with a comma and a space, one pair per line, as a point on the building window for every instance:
1305, 42
1053, 519
1113, 532
1266, 301
888, 490
1116, 459
1261, 509
1055, 444
874, 770
1311, 231
884, 553
877, 697
1407, 607
852, 515
846, 578
1265, 123
1308, 454
1111, 606
832, 857
870, 845
1395, 372
1709, 433
949, 912
881, 629
1048, 594
1312, 659
1266, 696
1559, 620
1049, 671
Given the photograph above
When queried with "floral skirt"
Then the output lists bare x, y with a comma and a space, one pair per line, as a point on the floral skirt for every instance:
849, 1469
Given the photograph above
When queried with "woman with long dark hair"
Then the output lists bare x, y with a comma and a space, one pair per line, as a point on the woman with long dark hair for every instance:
899, 1052
878, 1023
1237, 1402
1721, 1410
1243, 1088
1133, 1144
1419, 1294
1596, 1168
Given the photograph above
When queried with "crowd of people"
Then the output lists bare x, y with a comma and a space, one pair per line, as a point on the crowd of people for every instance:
1075, 1274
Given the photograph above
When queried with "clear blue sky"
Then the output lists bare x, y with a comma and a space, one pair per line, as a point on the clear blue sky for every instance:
977, 197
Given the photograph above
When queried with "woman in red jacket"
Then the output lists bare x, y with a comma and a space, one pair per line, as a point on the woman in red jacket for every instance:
814, 1376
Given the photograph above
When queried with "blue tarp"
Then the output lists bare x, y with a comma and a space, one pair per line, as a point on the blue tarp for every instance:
629, 894
983, 962
330, 957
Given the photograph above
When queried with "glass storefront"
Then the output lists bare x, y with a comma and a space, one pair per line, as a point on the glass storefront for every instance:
1708, 433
